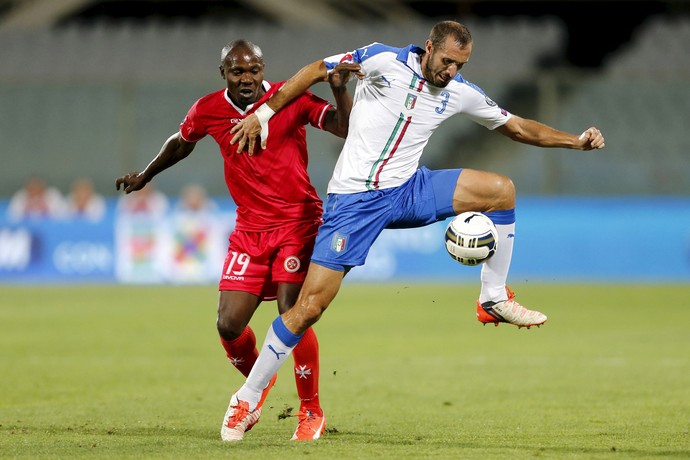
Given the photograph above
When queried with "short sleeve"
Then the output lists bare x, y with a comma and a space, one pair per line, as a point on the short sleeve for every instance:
481, 109
192, 128
314, 108
357, 56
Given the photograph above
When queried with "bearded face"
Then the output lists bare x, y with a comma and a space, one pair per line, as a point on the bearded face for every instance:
440, 64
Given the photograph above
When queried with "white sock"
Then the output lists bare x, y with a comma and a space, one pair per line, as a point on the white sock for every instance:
272, 355
495, 270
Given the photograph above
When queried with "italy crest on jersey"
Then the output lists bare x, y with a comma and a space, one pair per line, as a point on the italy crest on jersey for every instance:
339, 242
410, 101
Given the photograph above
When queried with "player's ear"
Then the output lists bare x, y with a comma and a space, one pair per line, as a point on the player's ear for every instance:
222, 72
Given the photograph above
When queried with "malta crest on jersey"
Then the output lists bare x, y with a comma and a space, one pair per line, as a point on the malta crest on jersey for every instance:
410, 101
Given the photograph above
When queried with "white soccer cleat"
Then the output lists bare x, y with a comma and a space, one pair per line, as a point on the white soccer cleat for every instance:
509, 311
238, 420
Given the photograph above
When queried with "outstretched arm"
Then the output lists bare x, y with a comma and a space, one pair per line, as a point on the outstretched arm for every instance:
338, 120
174, 149
256, 124
532, 132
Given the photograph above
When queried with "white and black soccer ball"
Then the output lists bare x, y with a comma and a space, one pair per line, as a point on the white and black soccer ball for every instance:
471, 238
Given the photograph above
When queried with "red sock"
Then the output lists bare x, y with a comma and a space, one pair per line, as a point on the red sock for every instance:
242, 351
306, 357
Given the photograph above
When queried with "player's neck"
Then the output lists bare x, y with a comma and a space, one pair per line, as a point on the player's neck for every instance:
243, 106
423, 60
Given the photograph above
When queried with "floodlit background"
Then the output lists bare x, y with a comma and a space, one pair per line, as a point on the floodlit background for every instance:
91, 89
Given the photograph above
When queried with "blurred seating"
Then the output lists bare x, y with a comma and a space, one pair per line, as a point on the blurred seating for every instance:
83, 202
658, 49
181, 50
117, 89
194, 200
148, 203
36, 200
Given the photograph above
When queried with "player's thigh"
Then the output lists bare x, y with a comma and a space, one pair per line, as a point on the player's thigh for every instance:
294, 243
287, 296
235, 310
247, 266
483, 191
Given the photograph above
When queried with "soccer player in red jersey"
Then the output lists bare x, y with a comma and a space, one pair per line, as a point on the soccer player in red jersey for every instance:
278, 211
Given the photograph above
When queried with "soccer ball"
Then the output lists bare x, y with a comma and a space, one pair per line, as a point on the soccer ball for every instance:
471, 238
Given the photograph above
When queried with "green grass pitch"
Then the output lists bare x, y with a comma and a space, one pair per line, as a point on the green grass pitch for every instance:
406, 372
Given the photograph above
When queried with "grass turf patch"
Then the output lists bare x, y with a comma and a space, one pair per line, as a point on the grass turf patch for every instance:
406, 372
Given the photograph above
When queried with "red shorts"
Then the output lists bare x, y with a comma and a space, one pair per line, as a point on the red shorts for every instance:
258, 261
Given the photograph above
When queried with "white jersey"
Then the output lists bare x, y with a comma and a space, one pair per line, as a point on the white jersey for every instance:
395, 111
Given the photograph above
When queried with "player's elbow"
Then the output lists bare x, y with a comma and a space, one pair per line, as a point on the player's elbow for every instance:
314, 73
516, 129
336, 125
516, 135
341, 130
184, 148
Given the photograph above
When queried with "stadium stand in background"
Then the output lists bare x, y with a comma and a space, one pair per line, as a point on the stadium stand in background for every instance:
88, 88
640, 100
95, 87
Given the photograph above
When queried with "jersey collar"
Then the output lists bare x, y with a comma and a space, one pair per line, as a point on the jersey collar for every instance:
267, 87
411, 56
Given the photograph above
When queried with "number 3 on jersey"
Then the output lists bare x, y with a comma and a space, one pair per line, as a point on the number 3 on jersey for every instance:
446, 96
242, 261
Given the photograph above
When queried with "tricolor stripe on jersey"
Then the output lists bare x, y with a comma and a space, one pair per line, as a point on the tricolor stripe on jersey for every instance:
386, 154
395, 110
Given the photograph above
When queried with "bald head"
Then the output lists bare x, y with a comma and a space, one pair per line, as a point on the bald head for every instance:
243, 45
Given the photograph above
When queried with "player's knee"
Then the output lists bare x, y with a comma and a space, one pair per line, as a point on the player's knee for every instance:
504, 193
229, 329
310, 310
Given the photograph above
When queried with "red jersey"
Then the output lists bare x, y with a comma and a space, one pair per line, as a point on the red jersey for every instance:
273, 185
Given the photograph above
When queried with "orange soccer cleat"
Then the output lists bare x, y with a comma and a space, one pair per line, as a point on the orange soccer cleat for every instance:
310, 426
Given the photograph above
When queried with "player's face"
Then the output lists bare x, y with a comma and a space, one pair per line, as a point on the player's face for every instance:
244, 73
440, 64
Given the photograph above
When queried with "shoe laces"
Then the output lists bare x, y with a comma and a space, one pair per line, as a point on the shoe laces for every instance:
511, 294
239, 414
305, 415
515, 308
305, 426
513, 304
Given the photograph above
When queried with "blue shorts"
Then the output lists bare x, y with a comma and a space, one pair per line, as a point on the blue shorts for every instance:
352, 222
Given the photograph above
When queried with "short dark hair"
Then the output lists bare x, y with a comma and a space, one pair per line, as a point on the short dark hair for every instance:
453, 29
241, 43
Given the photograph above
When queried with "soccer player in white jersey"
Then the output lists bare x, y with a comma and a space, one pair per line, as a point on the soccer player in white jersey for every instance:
402, 95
